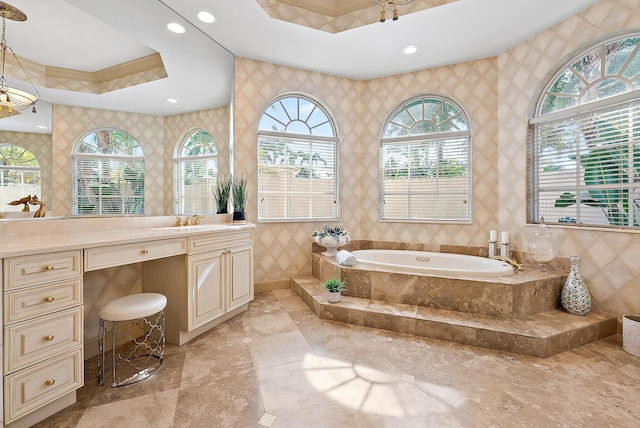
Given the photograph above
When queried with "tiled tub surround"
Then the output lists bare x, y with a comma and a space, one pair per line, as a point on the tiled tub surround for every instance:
517, 313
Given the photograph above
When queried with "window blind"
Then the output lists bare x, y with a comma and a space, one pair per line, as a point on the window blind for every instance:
297, 178
194, 179
426, 179
107, 186
585, 169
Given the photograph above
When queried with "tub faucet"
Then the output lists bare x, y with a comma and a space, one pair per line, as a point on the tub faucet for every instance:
517, 266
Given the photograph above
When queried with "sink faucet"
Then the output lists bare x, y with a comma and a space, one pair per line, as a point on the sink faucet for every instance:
193, 220
517, 266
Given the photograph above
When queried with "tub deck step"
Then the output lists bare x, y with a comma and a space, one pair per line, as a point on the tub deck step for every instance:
539, 335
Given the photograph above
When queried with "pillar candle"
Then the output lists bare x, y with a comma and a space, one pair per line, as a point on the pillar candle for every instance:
505, 237
493, 235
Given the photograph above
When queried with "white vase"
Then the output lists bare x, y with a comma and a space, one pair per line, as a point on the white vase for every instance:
332, 244
333, 296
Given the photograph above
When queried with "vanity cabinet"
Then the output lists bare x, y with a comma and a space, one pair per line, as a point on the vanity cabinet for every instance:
205, 287
42, 330
206, 274
214, 282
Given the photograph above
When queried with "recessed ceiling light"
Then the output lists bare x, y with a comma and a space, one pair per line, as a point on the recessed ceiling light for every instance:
175, 27
41, 126
172, 100
206, 17
410, 49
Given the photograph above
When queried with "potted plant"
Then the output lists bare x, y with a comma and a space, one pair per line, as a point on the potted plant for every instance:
331, 238
239, 189
334, 287
222, 193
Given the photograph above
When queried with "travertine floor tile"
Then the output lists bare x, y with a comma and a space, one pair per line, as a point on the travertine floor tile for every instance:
278, 365
141, 411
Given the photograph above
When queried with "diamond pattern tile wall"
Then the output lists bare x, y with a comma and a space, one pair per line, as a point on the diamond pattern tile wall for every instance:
496, 94
360, 109
609, 259
158, 137
176, 127
70, 123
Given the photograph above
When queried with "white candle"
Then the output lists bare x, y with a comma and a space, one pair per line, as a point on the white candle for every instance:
493, 235
505, 237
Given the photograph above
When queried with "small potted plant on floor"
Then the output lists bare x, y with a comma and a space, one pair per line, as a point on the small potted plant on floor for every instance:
331, 238
334, 287
239, 189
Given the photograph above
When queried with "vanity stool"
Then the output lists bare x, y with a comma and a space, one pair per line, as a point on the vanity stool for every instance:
136, 325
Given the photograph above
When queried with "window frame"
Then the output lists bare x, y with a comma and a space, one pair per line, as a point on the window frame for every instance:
138, 160
602, 201
179, 160
425, 139
328, 144
20, 168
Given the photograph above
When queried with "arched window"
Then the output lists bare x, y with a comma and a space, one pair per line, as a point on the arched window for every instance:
297, 161
425, 154
19, 175
195, 170
107, 174
584, 139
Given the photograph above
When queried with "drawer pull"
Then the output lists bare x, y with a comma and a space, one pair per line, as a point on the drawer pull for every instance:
49, 382
49, 267
145, 251
49, 299
48, 338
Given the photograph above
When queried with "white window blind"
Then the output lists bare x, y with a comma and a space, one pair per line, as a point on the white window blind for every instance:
586, 167
296, 179
425, 156
426, 179
108, 186
195, 174
107, 174
297, 161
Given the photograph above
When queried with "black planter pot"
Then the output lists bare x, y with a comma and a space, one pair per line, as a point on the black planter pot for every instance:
239, 217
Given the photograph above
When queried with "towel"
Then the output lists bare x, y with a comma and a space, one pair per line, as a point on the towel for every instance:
345, 258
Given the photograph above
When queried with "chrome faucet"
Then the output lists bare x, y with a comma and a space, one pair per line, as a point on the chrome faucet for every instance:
517, 266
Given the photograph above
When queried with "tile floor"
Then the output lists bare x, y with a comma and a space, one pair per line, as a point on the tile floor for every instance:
278, 365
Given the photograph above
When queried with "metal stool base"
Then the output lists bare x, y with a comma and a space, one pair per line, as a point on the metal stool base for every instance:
137, 358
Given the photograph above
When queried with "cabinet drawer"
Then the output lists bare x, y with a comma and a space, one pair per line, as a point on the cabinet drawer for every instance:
40, 268
118, 255
32, 388
219, 240
36, 301
31, 341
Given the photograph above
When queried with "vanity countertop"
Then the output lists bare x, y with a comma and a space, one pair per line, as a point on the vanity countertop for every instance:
34, 243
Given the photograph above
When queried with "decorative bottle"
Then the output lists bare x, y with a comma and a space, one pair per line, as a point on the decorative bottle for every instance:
575, 297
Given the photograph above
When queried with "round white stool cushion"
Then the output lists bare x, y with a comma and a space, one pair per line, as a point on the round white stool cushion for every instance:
133, 306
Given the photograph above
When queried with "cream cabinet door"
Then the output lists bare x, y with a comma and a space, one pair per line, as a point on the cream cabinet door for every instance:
205, 287
240, 265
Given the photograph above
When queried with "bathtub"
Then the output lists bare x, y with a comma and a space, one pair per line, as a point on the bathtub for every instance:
430, 263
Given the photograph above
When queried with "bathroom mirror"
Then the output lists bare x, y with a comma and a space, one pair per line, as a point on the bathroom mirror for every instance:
88, 56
